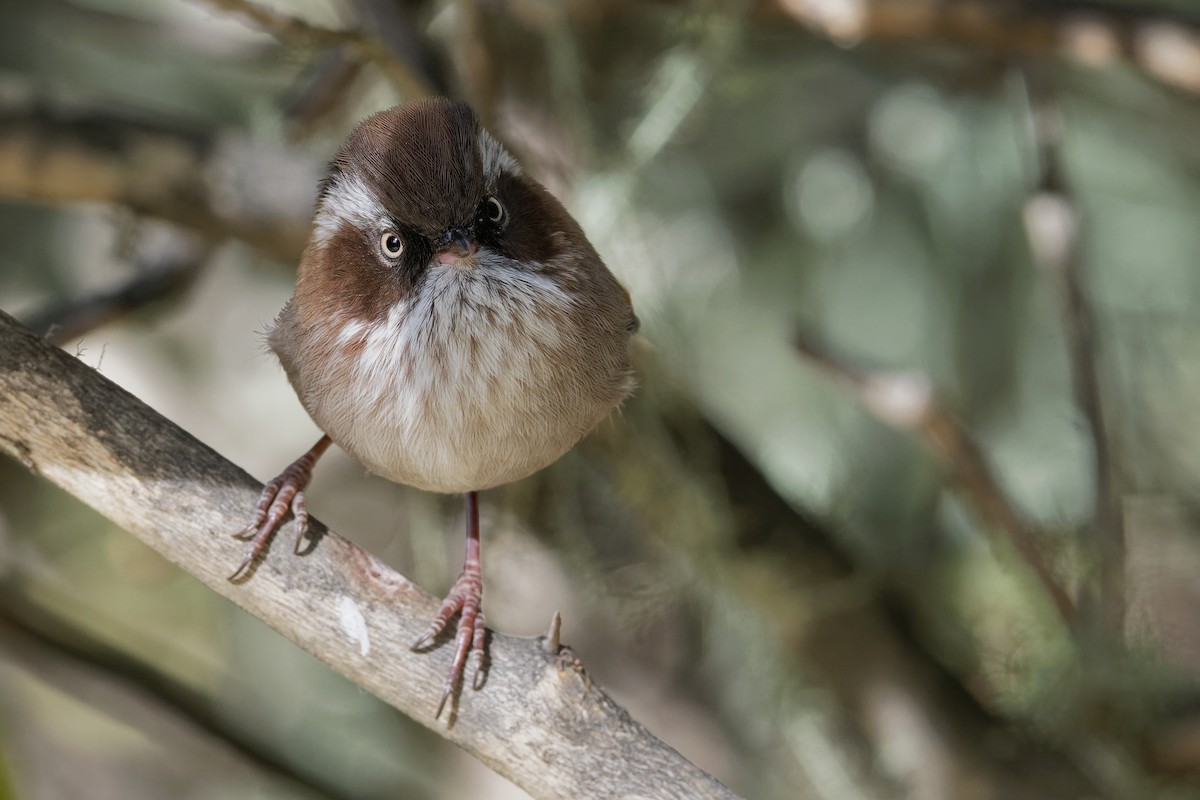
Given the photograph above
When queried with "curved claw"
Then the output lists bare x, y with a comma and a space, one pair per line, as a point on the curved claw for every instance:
445, 696
426, 639
283, 494
243, 570
479, 652
246, 566
283, 497
266, 502
303, 545
464, 601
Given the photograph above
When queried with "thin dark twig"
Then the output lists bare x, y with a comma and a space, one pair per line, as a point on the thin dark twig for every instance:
293, 29
65, 322
906, 401
323, 86
396, 24
1053, 226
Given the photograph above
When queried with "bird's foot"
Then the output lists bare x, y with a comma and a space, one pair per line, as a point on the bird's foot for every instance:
285, 493
465, 599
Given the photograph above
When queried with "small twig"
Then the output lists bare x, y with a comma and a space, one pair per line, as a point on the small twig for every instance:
906, 401
293, 29
66, 322
1053, 226
551, 642
321, 90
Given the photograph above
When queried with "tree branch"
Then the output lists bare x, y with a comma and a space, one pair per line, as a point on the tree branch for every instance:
539, 721
1163, 44
54, 157
293, 29
160, 277
906, 401
1054, 228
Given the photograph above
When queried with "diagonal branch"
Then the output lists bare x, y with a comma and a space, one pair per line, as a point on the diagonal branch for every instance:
293, 29
1054, 229
906, 401
1163, 43
164, 277
539, 721
55, 157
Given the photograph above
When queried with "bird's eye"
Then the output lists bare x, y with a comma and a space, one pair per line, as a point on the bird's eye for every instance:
495, 211
391, 245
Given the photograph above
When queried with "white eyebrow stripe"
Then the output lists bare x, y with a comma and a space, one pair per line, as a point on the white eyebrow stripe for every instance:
348, 199
495, 158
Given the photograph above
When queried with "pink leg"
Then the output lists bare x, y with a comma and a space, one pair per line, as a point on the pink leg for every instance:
284, 493
465, 598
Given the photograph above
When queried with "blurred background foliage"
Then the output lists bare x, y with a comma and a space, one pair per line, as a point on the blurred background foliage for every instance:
919, 297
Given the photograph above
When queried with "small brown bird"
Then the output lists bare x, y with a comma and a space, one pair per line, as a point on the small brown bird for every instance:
452, 328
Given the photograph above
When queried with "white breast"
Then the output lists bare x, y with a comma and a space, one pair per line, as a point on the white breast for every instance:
467, 385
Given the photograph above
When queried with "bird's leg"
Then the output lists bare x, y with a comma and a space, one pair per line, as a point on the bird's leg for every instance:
284, 493
465, 599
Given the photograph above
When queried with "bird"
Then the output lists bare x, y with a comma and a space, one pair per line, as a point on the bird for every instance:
451, 327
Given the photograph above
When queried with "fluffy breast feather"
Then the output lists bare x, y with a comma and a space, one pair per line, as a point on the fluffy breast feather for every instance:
477, 380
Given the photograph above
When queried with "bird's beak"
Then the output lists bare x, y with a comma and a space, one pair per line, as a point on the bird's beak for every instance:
454, 245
